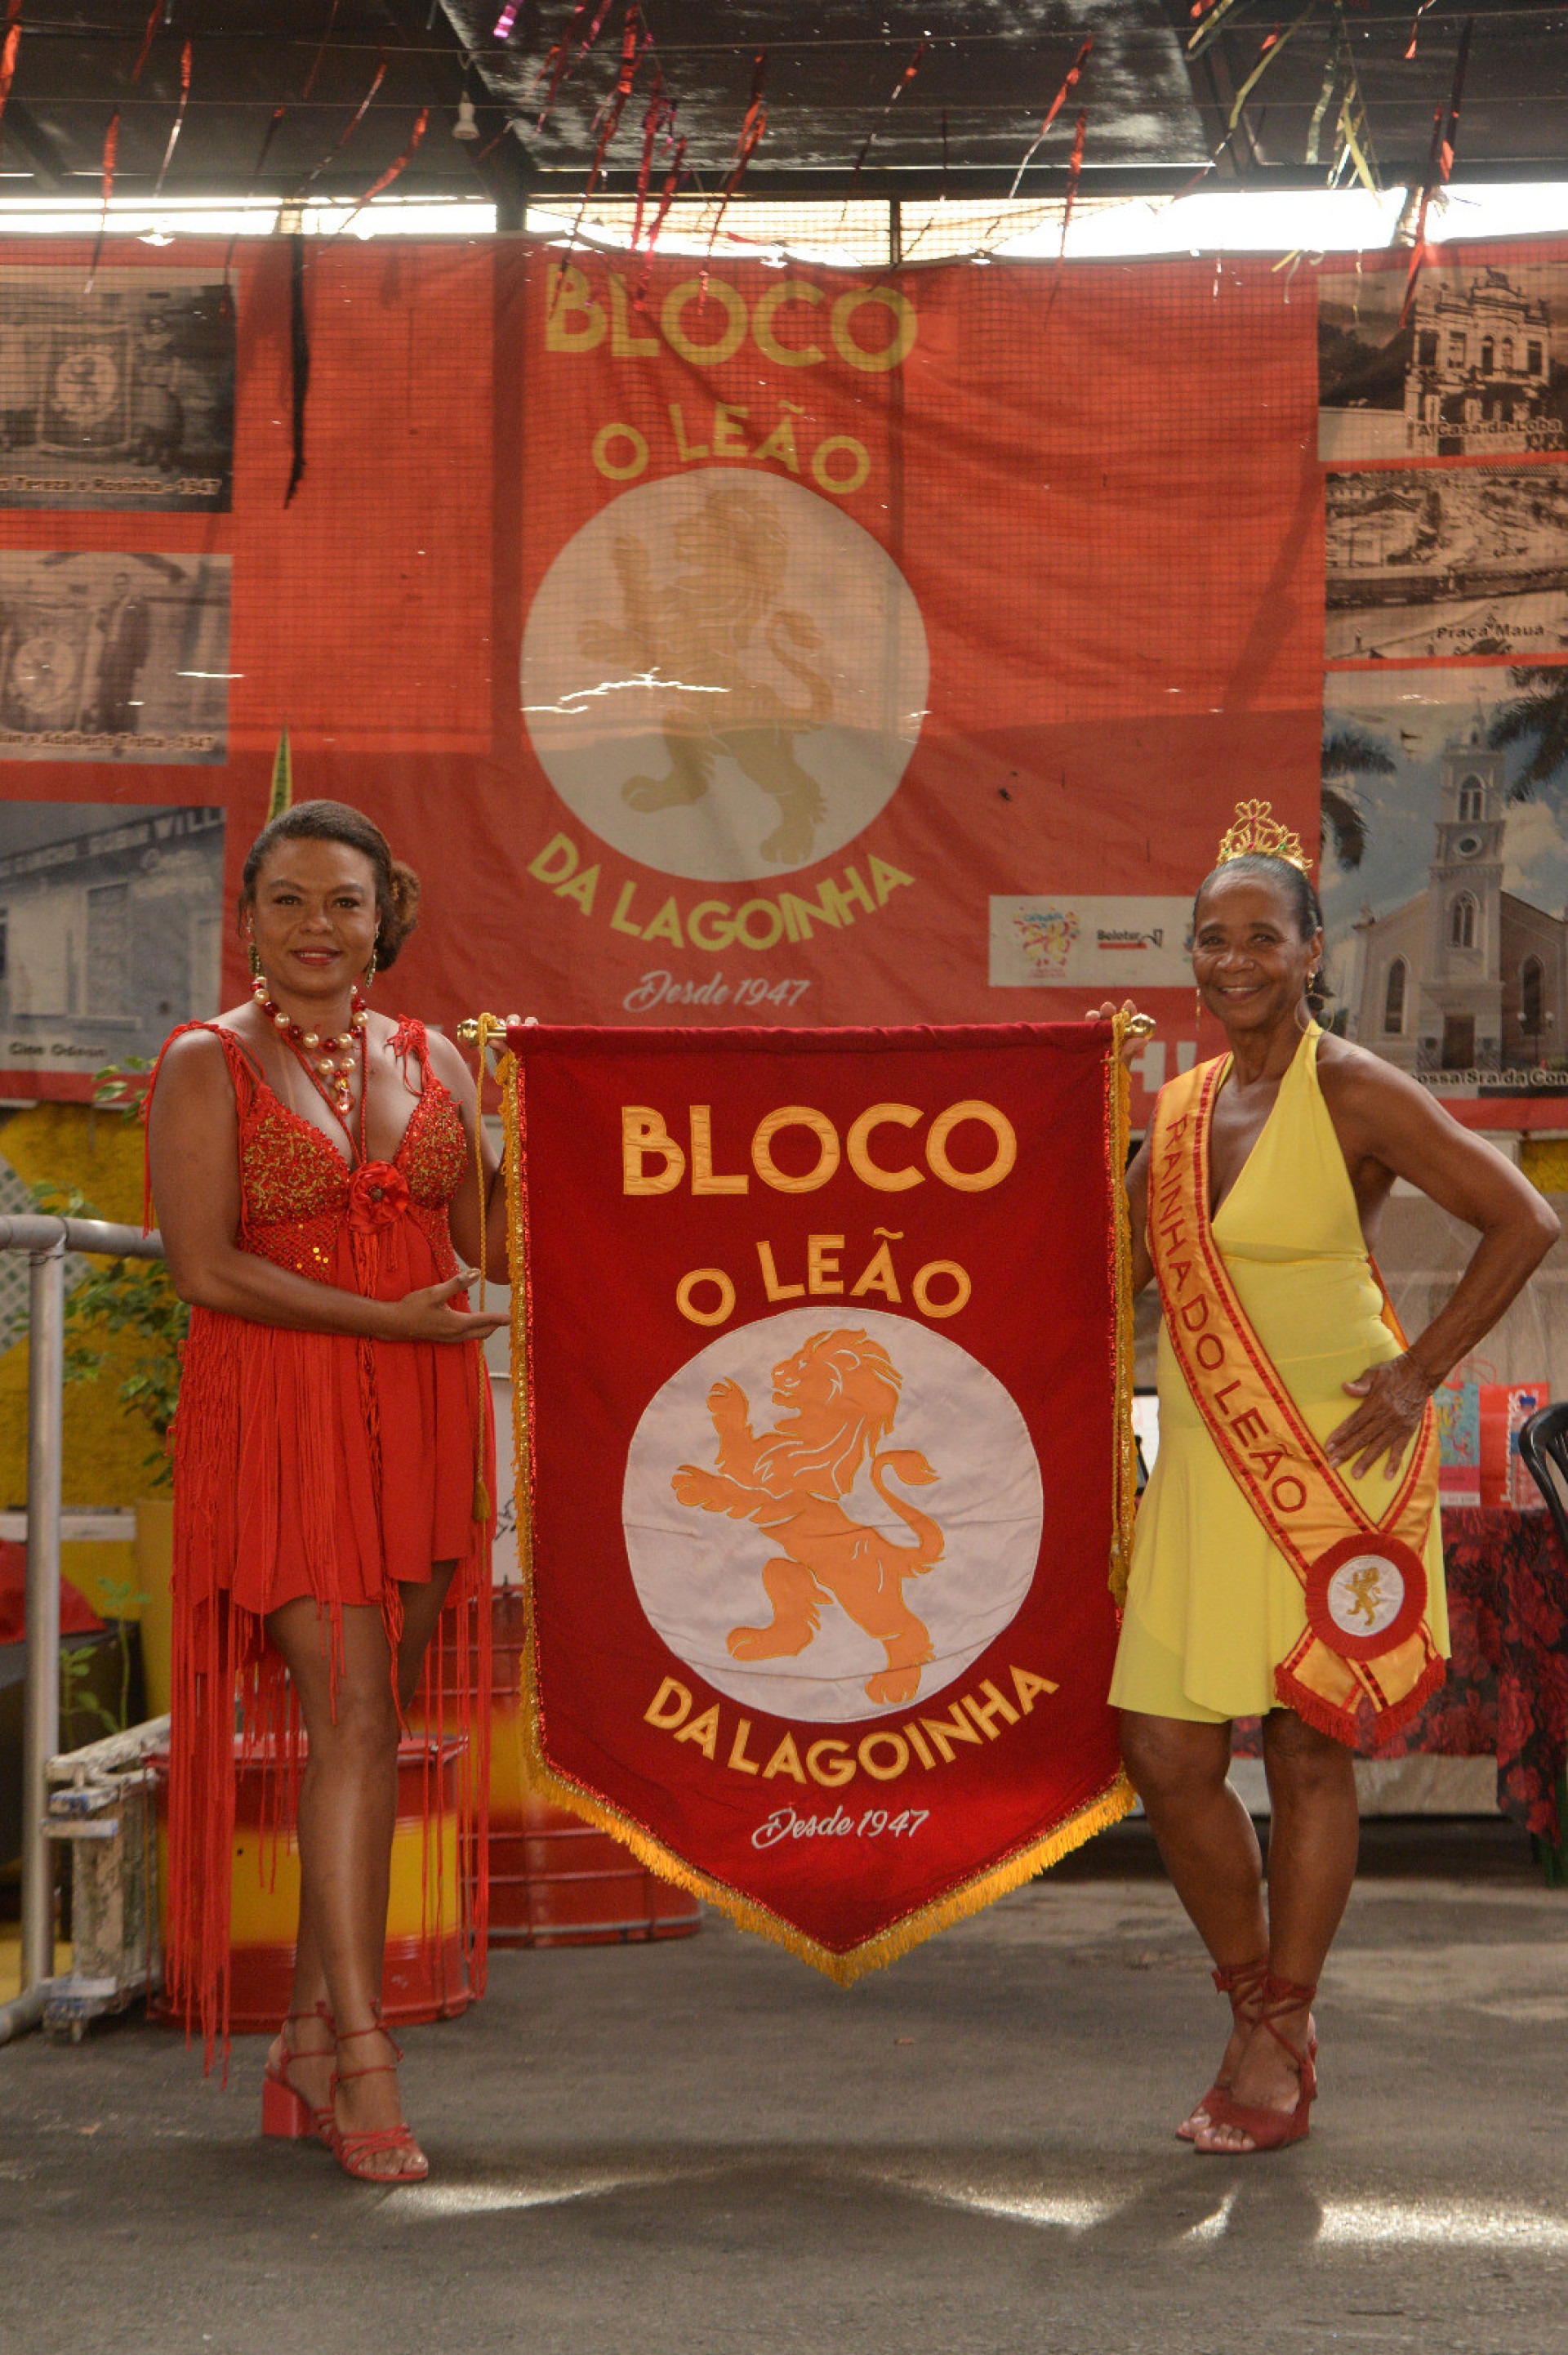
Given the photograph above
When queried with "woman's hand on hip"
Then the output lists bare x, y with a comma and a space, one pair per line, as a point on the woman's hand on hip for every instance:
1394, 1396
427, 1315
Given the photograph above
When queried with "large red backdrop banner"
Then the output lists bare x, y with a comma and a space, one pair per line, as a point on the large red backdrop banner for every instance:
744, 645
823, 1345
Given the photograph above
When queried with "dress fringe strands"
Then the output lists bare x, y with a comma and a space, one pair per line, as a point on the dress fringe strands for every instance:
1106, 1805
327, 1464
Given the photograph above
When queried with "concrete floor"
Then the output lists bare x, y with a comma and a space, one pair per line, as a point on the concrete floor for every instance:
702, 2149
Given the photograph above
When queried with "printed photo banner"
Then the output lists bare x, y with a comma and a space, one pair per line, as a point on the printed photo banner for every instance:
823, 1352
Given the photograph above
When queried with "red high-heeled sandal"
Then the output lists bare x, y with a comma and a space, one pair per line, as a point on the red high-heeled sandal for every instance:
1272, 2129
284, 2109
350, 2150
1243, 1982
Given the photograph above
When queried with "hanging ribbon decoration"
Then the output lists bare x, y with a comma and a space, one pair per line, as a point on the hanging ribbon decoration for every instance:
8, 50
344, 136
754, 122
899, 87
1075, 170
1440, 162
299, 363
634, 46
421, 122
179, 119
1416, 29
268, 137
570, 51
111, 150
316, 62
148, 38
1074, 72
659, 119
634, 42
672, 178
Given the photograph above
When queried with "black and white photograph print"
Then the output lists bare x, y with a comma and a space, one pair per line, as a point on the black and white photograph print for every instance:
110, 657
118, 395
1445, 872
1424, 564
110, 929
1479, 370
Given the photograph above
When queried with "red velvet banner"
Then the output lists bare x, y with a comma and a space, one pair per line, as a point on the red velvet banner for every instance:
823, 1338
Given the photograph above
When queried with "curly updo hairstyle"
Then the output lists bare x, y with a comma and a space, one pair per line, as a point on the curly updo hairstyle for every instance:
1297, 887
396, 886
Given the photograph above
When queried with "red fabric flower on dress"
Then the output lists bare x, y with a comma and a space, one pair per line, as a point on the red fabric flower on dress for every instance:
377, 1194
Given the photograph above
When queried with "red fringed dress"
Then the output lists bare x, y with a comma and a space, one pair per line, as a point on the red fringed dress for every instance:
322, 1465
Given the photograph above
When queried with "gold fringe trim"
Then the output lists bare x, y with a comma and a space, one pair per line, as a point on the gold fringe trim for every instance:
1119, 1123
1107, 1806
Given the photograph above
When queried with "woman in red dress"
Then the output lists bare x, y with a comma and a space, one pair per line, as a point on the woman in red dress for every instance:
313, 1170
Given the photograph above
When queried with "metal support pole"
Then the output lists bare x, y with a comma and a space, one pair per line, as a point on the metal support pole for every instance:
41, 1709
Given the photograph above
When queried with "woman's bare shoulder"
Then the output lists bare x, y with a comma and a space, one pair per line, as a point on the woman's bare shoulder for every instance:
196, 1060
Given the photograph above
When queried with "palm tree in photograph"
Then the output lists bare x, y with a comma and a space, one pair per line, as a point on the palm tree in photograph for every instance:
1350, 752
1537, 716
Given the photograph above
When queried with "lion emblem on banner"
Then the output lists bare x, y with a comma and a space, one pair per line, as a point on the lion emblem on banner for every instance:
694, 635
841, 1392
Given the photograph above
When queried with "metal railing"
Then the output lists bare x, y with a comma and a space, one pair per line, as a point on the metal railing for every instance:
46, 1242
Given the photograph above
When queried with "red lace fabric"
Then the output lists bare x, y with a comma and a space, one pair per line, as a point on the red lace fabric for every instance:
321, 1465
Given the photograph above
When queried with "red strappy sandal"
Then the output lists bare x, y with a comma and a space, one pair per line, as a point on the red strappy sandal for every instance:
284, 2109
1272, 2129
350, 2150
1243, 1982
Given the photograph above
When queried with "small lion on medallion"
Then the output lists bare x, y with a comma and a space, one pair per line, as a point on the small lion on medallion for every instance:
841, 1389
691, 634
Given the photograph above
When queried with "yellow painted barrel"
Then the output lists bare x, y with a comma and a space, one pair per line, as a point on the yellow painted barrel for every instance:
426, 1976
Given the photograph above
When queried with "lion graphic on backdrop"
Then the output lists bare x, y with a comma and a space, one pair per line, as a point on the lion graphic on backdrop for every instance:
841, 1389
690, 635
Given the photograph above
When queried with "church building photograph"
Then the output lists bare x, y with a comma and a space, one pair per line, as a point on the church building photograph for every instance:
1449, 945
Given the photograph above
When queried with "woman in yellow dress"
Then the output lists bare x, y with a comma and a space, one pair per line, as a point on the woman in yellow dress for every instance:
1302, 1138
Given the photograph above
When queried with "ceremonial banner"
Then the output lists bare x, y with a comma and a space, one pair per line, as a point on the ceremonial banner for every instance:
823, 1354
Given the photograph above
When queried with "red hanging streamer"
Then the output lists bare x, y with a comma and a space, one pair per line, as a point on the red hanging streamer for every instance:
659, 118
316, 63
754, 122
634, 42
666, 199
111, 150
1074, 167
13, 42
179, 119
148, 38
421, 122
1440, 162
558, 64
1074, 72
900, 86
344, 136
1415, 27
268, 137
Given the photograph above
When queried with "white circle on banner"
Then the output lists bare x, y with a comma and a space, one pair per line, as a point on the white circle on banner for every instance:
724, 676
884, 1480
1365, 1595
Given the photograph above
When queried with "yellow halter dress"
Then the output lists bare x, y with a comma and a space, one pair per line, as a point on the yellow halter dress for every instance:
1211, 1605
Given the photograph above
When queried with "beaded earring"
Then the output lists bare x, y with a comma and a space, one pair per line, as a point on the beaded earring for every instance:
369, 974
256, 973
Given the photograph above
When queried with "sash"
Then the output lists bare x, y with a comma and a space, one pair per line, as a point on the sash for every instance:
1366, 1641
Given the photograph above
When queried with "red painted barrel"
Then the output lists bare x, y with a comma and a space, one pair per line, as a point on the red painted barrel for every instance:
554, 1881
426, 1975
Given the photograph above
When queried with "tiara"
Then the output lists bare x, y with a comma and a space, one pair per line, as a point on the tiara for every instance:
1256, 831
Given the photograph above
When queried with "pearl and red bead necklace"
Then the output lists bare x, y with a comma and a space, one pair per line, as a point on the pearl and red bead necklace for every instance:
329, 1061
